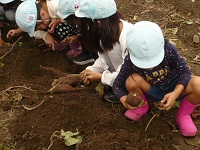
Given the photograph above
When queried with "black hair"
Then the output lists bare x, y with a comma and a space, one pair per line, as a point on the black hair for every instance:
108, 33
70, 18
10, 5
38, 7
89, 36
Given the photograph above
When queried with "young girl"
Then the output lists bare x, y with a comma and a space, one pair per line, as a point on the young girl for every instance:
31, 16
66, 11
7, 15
156, 68
105, 33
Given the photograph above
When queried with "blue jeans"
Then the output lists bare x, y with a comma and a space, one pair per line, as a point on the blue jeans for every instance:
156, 93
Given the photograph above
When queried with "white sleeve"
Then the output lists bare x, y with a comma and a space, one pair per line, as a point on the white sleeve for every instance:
108, 78
40, 34
99, 65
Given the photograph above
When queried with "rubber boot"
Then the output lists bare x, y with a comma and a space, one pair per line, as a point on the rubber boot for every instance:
137, 114
184, 120
75, 50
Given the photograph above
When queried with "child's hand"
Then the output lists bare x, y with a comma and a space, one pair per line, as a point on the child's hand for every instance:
88, 75
14, 32
168, 101
50, 41
70, 39
84, 76
41, 26
126, 105
53, 24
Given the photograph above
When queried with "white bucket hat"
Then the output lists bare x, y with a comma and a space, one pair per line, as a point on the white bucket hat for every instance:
26, 16
145, 43
96, 9
6, 1
67, 8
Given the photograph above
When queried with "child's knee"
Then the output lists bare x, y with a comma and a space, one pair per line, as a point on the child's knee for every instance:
193, 87
131, 85
196, 85
195, 82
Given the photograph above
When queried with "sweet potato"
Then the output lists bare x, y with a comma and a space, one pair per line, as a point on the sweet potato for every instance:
63, 88
134, 99
69, 79
54, 72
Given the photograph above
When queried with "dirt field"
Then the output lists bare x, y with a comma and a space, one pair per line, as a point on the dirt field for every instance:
29, 116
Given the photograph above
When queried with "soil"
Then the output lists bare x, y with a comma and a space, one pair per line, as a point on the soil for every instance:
30, 115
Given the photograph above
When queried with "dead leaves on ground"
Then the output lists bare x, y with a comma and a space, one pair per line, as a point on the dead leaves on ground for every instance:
196, 60
170, 20
16, 96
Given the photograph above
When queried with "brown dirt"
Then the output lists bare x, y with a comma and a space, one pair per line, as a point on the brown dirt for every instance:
102, 124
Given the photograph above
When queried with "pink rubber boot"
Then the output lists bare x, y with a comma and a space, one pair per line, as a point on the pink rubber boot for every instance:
137, 114
75, 50
184, 120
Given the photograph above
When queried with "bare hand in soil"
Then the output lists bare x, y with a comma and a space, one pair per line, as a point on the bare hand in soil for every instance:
70, 39
158, 105
88, 75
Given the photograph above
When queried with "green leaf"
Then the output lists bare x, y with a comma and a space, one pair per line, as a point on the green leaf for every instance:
2, 147
6, 148
174, 30
20, 43
68, 134
196, 39
1, 64
100, 88
189, 22
71, 141
71, 138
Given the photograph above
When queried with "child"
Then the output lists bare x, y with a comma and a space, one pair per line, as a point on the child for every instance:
155, 67
44, 16
27, 15
7, 15
66, 11
106, 34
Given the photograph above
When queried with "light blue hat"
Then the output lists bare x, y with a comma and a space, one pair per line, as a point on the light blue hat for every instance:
26, 16
6, 1
96, 9
67, 8
145, 43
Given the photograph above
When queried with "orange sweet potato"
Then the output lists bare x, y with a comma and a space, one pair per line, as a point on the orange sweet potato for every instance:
53, 71
63, 88
72, 80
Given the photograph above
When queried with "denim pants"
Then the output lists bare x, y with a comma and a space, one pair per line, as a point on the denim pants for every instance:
156, 93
